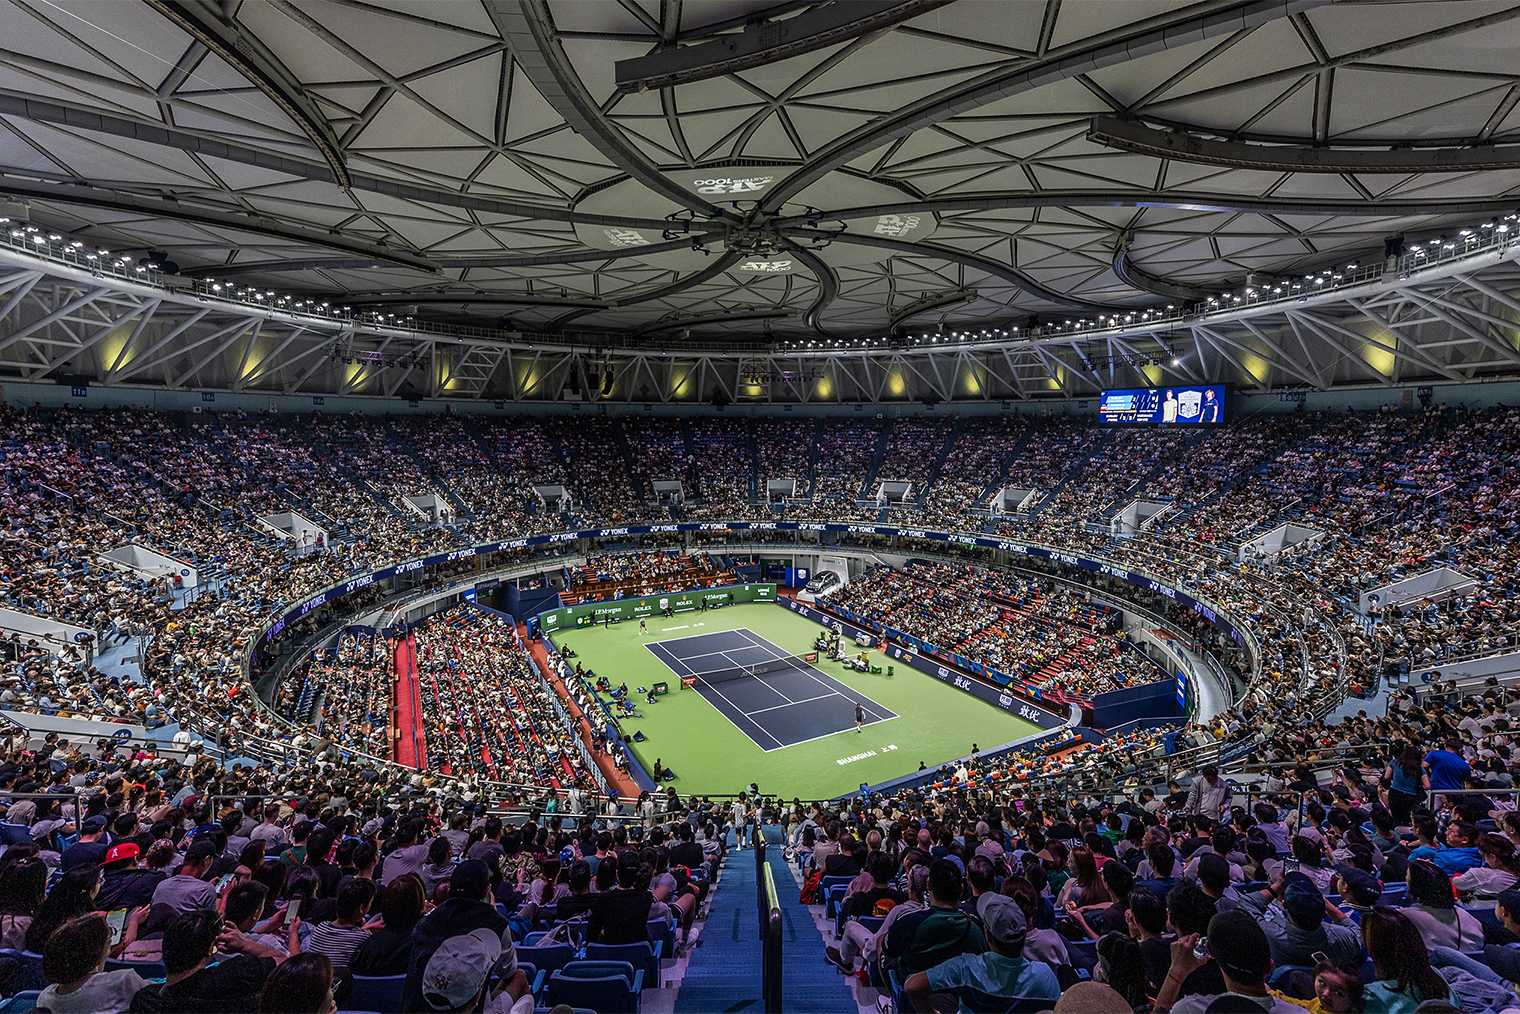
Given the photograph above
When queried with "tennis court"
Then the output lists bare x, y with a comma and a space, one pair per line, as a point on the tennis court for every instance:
792, 704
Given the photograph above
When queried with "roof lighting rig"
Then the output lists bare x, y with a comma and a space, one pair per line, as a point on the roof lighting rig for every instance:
1399, 262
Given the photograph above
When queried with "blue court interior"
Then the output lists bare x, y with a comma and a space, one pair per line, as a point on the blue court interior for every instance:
776, 709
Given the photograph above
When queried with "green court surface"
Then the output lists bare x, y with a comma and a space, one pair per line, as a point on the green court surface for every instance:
936, 722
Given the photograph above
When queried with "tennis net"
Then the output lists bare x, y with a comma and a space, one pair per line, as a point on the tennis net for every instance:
755, 669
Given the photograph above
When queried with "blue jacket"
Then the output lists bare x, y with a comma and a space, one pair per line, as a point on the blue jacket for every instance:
1451, 861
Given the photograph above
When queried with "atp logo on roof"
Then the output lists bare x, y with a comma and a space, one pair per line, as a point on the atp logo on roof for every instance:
897, 226
733, 185
625, 237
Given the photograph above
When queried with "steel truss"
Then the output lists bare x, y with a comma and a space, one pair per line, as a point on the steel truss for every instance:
1454, 321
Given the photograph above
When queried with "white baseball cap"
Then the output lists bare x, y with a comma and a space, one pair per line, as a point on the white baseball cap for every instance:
459, 968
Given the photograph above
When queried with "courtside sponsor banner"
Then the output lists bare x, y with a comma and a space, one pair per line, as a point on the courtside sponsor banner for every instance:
1204, 609
634, 608
975, 687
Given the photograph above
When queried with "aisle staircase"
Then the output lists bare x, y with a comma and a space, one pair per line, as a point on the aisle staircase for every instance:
724, 971
755, 478
867, 484
939, 460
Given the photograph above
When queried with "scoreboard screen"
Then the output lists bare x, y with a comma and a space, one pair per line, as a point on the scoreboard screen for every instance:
1165, 406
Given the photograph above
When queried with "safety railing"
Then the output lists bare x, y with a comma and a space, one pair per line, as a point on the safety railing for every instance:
16, 834
769, 904
282, 751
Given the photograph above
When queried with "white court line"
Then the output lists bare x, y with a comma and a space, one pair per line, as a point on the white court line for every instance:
758, 676
745, 714
737, 710
813, 672
707, 654
808, 700
843, 732
850, 697
710, 633
667, 662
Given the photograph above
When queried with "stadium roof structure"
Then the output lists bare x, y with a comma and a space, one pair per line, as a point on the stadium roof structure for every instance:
859, 200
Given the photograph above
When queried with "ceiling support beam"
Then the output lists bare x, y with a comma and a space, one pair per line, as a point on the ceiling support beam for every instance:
82, 195
86, 118
828, 289
1136, 278
1304, 371
717, 267
23, 282
971, 260
204, 361
1405, 345
528, 29
1175, 200
1133, 136
144, 315
144, 363
1112, 49
766, 42
205, 22
272, 358
720, 316
80, 301
1505, 352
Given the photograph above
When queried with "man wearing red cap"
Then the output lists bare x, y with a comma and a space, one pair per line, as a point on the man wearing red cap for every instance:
126, 884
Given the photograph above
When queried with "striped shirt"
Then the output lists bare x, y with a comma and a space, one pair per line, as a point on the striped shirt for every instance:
339, 943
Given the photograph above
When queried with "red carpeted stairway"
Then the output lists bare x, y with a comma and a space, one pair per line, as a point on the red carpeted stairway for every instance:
411, 745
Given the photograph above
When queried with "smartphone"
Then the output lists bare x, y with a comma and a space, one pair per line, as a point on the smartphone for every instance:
222, 883
293, 906
1201, 949
116, 920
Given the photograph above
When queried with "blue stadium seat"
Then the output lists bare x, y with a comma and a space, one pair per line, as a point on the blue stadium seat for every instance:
1484, 915
30, 976
663, 933
379, 993
534, 976
607, 987
1083, 954
22, 1002
870, 923
641, 955
548, 957
1279, 976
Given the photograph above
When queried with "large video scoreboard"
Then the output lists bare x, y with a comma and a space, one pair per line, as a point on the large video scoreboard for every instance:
1164, 406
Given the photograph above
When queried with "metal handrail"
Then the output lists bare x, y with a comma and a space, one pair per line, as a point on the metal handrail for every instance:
770, 932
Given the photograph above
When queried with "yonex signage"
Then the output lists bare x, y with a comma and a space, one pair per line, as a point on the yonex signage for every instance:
1204, 609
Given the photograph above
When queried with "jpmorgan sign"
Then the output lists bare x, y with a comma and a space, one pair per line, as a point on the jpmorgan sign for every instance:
730, 185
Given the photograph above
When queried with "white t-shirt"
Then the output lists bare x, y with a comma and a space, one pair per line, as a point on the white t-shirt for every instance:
1197, 1004
102, 993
